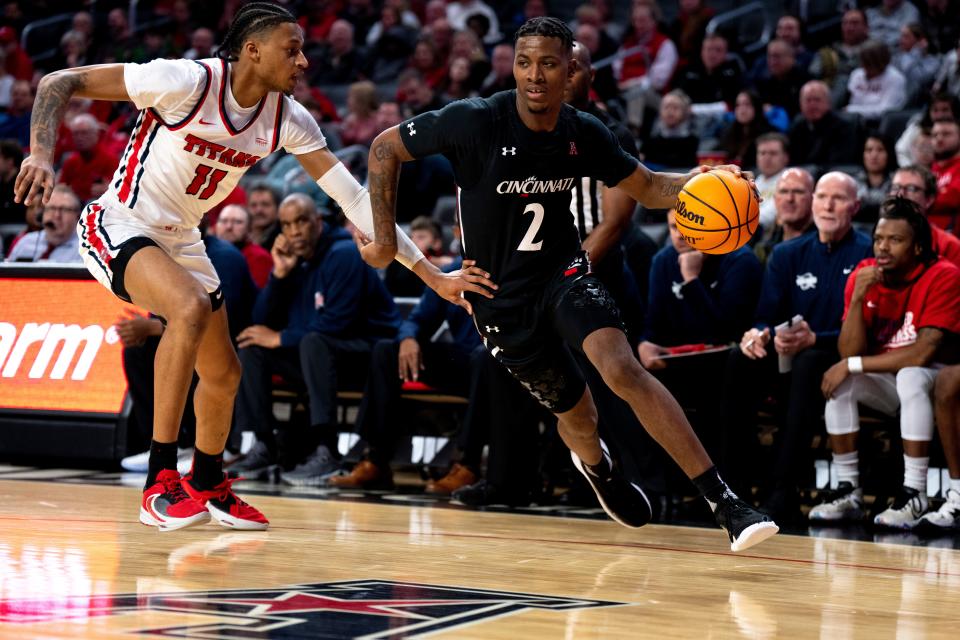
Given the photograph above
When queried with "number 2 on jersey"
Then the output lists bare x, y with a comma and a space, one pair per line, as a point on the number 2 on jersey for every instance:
203, 172
527, 244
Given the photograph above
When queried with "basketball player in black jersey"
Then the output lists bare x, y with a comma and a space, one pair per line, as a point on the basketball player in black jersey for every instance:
516, 156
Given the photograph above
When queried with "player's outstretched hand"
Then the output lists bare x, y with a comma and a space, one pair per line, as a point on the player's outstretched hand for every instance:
36, 179
469, 277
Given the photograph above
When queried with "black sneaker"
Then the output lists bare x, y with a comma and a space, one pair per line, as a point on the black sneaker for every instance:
745, 525
623, 500
483, 494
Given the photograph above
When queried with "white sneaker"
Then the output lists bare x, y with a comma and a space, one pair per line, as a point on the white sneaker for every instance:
847, 505
137, 463
905, 510
946, 518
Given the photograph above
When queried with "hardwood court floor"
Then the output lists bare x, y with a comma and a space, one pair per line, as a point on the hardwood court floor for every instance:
74, 562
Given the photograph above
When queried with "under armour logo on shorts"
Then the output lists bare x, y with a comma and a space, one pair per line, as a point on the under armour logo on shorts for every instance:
490, 329
410, 128
509, 150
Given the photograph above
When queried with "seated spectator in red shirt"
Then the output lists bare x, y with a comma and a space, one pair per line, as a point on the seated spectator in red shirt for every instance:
88, 169
360, 125
233, 226
946, 152
902, 311
426, 59
655, 63
18, 63
918, 184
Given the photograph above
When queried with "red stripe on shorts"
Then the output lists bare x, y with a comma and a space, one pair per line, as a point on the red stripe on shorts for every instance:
134, 159
91, 223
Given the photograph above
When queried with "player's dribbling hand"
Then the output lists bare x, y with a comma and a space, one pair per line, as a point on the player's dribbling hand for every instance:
833, 378
754, 342
410, 359
469, 277
737, 171
284, 260
36, 179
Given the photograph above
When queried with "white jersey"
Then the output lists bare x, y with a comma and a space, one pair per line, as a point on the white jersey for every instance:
192, 142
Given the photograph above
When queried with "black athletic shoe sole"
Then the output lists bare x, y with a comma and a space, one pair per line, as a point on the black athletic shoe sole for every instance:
633, 521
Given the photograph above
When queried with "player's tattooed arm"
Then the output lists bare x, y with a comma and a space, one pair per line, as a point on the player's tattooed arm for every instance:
654, 190
387, 154
100, 82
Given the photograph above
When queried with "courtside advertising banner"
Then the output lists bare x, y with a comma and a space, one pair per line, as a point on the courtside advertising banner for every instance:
59, 350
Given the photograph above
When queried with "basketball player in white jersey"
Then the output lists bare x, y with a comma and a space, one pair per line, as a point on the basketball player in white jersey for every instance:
202, 125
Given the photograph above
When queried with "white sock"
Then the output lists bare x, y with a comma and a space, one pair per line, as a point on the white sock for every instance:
848, 467
915, 473
955, 485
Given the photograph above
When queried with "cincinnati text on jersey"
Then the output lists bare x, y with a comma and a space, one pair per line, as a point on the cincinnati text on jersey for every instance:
532, 185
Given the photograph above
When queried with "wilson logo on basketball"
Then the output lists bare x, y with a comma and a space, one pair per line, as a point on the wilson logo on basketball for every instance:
59, 350
683, 212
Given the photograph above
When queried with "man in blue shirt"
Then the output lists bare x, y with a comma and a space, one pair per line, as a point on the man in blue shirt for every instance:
804, 276
315, 324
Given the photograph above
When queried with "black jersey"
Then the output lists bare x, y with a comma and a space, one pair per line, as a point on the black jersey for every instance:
513, 184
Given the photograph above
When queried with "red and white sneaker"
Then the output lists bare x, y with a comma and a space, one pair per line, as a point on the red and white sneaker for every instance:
225, 507
167, 506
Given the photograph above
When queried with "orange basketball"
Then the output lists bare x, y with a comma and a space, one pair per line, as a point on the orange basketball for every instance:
717, 212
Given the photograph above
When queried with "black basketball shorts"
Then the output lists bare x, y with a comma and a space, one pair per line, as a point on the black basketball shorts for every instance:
532, 338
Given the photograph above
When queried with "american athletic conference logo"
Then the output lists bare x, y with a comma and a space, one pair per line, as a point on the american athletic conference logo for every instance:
349, 609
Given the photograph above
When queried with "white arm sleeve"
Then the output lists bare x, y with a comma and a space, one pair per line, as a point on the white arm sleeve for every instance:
354, 199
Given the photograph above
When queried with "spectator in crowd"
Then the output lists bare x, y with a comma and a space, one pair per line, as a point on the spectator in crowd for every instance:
819, 136
314, 324
939, 21
362, 14
888, 18
440, 33
738, 139
89, 168
917, 183
416, 95
590, 32
773, 156
946, 151
948, 77
778, 78
835, 63
876, 86
804, 277
427, 235
946, 519
317, 18
712, 81
653, 66
405, 17
790, 30
672, 141
389, 54
17, 61
73, 51
201, 45
689, 28
233, 226
696, 299
873, 181
793, 214
902, 307
339, 62
11, 155
942, 106
360, 125
459, 11
57, 241
466, 44
15, 123
500, 77
426, 60
120, 40
262, 205
914, 60
457, 85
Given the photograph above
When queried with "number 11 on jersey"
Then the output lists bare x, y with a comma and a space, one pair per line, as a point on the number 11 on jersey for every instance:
203, 172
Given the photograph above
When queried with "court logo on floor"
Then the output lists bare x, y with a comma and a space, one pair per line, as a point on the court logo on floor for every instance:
358, 608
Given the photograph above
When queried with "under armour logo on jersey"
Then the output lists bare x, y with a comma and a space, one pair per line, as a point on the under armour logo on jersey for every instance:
410, 128
493, 329
806, 281
573, 148
509, 150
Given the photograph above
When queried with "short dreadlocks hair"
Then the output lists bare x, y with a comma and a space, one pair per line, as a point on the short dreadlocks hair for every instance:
899, 208
252, 19
548, 28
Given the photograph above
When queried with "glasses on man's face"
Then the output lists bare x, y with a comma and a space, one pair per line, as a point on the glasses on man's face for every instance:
60, 209
909, 189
